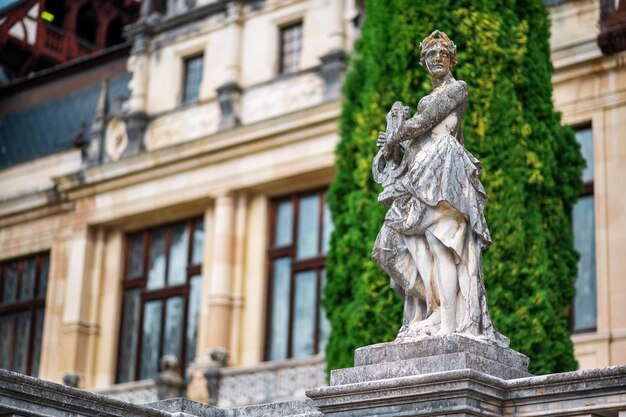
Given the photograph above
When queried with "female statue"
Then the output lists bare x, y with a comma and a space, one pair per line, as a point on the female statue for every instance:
434, 231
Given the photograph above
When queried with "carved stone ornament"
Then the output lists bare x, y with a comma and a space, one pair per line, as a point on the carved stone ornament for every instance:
115, 138
434, 231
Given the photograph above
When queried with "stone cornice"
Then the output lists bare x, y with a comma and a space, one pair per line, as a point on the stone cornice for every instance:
155, 25
32, 206
221, 146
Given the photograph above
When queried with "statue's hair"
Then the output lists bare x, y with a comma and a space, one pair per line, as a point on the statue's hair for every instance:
438, 37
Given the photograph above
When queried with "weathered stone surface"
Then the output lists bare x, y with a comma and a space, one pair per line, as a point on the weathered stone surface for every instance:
425, 365
465, 392
302, 408
28, 396
438, 345
470, 393
430, 244
188, 407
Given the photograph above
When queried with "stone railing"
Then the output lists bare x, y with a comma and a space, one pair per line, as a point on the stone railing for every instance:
281, 96
139, 392
183, 124
270, 381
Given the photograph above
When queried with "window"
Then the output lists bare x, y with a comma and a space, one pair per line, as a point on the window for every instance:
193, 78
300, 228
23, 285
161, 298
290, 48
583, 219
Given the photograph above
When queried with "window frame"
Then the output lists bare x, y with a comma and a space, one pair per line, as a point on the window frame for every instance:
185, 78
163, 293
282, 29
315, 263
587, 190
33, 304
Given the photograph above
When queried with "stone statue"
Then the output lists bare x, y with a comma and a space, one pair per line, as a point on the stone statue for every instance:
434, 231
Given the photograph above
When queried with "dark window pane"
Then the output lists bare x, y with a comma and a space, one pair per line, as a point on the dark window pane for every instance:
34, 369
151, 339
193, 78
291, 46
301, 236
324, 331
27, 287
584, 240
281, 279
43, 278
303, 334
156, 272
154, 322
283, 233
135, 261
585, 138
6, 332
22, 336
173, 326
308, 227
327, 229
198, 242
177, 271
195, 287
22, 322
9, 292
129, 337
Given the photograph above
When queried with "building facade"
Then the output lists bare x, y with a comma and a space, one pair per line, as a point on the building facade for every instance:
187, 218
590, 90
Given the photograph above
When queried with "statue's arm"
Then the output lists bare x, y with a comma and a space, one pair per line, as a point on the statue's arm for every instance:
438, 109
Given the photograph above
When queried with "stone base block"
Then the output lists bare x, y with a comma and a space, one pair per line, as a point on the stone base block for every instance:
404, 349
412, 357
425, 365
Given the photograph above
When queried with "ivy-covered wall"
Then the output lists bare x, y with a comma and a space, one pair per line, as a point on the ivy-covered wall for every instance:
532, 167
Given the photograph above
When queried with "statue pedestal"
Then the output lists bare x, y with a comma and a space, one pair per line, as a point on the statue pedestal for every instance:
453, 375
430, 355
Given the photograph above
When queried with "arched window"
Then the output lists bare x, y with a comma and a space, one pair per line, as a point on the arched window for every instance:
114, 32
87, 23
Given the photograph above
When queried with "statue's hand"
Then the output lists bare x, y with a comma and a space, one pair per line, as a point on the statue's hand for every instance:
382, 139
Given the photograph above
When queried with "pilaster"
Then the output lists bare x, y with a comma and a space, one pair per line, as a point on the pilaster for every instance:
135, 114
239, 254
73, 305
220, 298
333, 62
229, 93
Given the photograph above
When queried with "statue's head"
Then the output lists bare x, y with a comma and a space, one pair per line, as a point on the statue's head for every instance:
438, 54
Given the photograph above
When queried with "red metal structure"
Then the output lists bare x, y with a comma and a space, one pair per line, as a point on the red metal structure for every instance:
36, 34
612, 38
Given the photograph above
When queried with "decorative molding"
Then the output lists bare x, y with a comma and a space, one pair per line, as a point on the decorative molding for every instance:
270, 382
136, 124
227, 144
332, 69
229, 99
138, 392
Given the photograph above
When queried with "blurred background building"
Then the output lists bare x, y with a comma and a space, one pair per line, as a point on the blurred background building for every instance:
163, 167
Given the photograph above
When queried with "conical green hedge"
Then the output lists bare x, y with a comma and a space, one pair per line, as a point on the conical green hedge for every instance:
532, 168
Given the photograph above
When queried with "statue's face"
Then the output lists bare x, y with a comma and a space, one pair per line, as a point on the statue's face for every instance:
438, 61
